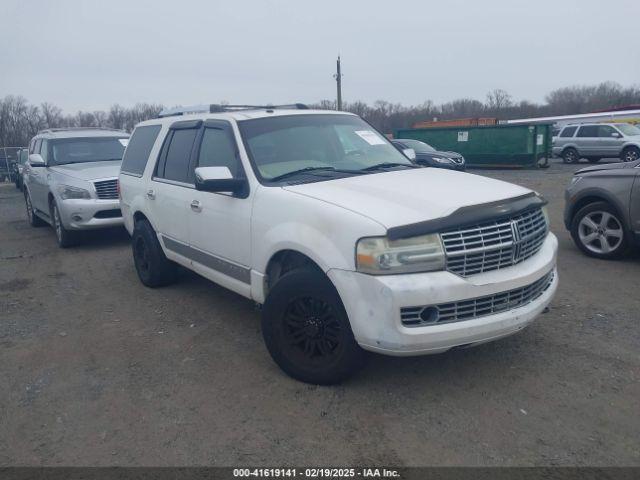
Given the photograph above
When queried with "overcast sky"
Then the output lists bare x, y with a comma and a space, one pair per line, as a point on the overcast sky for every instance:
90, 54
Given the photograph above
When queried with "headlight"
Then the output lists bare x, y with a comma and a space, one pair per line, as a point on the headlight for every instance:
545, 212
381, 256
68, 192
441, 160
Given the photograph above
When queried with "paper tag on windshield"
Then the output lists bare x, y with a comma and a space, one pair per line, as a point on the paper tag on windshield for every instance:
370, 137
124, 141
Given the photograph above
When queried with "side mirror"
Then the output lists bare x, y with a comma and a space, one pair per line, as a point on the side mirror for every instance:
220, 180
36, 160
410, 153
615, 134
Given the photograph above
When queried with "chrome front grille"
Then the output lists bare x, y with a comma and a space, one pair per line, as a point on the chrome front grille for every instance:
107, 189
495, 244
475, 307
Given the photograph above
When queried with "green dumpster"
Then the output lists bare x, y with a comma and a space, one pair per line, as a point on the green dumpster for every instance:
522, 145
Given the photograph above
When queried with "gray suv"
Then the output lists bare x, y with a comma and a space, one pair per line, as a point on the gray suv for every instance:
71, 180
602, 209
596, 141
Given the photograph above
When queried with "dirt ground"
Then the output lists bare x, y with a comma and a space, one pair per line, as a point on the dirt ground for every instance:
96, 369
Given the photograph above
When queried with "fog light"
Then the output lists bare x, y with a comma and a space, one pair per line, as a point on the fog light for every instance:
76, 218
429, 315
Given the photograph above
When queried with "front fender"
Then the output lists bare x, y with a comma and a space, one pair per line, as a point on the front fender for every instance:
617, 200
326, 233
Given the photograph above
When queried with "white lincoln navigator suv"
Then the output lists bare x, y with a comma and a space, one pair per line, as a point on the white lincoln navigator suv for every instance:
346, 244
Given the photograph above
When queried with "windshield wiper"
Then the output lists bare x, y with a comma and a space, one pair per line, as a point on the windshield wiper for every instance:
311, 169
381, 166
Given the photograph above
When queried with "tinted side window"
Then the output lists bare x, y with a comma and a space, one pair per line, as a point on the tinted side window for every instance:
36, 147
568, 132
176, 164
218, 150
139, 147
588, 131
606, 131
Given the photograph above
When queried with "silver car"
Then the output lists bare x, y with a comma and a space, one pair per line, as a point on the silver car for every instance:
602, 209
598, 140
70, 180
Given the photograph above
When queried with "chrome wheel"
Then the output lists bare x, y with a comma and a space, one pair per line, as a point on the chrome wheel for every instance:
631, 155
27, 200
600, 232
570, 156
56, 223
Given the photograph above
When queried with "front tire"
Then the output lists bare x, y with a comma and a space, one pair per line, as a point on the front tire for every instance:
570, 155
630, 154
33, 219
307, 331
153, 267
66, 238
598, 231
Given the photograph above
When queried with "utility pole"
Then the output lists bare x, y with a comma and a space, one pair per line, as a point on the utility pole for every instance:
338, 77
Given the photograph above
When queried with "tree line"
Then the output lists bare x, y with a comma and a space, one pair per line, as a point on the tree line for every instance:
20, 120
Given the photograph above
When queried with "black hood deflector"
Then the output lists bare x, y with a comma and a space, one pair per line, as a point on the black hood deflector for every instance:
469, 216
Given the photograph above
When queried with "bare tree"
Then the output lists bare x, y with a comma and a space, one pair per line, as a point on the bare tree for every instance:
498, 100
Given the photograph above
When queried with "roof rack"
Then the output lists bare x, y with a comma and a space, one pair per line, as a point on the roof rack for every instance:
220, 108
65, 129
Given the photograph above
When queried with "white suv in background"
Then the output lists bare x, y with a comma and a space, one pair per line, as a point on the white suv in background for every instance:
70, 180
346, 243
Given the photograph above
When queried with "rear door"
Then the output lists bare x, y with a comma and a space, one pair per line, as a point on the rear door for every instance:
586, 140
169, 191
219, 223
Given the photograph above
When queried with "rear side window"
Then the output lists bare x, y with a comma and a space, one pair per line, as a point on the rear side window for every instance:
177, 154
568, 132
588, 131
218, 150
138, 150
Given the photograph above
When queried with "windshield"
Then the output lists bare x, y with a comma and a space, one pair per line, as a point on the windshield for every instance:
280, 145
628, 129
81, 150
418, 146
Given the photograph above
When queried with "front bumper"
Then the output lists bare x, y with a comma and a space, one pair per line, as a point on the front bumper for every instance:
373, 304
81, 214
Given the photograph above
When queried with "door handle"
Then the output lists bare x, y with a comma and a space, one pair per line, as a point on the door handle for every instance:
151, 194
195, 206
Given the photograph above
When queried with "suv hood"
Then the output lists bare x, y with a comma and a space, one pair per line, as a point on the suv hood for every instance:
404, 197
89, 170
608, 166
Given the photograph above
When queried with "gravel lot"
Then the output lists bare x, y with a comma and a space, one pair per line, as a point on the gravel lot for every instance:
95, 369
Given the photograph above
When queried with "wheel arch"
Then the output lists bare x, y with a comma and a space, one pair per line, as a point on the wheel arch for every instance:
594, 196
286, 260
568, 146
139, 215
